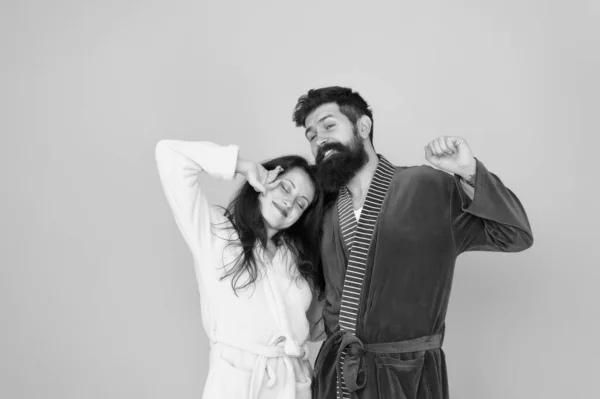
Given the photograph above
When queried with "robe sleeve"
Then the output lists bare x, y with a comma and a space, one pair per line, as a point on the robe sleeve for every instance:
180, 165
494, 220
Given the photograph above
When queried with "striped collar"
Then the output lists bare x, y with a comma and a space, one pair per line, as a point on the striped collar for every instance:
377, 191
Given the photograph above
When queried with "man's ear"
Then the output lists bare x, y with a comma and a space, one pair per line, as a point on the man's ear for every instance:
364, 125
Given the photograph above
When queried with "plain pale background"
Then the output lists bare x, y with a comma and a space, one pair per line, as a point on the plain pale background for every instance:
97, 293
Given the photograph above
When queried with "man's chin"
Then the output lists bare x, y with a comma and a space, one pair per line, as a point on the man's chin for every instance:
324, 165
337, 169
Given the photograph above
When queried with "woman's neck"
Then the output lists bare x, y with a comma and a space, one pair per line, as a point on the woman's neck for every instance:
271, 248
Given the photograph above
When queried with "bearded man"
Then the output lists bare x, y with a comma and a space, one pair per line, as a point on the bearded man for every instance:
390, 243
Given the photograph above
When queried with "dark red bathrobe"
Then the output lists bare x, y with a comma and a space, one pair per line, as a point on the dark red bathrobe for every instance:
426, 220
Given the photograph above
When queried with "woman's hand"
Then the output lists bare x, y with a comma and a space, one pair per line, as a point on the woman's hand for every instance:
261, 179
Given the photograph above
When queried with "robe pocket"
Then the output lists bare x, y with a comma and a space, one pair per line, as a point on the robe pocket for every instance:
228, 381
398, 378
303, 390
303, 379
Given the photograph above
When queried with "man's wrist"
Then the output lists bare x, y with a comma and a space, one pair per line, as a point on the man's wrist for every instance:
470, 180
468, 175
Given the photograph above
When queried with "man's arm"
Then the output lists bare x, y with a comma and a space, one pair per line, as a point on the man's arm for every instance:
491, 218
485, 214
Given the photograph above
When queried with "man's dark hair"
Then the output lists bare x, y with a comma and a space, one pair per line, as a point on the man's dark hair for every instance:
351, 104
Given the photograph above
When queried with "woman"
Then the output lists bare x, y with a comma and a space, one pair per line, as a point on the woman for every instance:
256, 263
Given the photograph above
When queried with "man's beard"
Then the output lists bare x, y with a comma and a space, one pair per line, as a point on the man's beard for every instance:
336, 171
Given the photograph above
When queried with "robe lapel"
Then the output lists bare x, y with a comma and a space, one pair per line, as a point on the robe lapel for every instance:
357, 237
347, 220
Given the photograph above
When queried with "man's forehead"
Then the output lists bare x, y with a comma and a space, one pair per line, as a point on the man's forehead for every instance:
319, 112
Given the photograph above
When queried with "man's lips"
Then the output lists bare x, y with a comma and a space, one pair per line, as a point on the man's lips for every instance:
280, 209
328, 153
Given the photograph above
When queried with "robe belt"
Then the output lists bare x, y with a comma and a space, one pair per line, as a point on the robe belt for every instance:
354, 368
278, 347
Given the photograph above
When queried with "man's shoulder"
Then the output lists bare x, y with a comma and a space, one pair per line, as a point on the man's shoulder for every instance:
420, 173
420, 181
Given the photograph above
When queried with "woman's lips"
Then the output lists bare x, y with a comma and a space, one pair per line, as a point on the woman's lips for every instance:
280, 209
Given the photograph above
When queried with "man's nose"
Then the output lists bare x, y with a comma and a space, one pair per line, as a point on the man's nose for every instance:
321, 140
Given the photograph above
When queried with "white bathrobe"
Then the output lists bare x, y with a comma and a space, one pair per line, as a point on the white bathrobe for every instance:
256, 336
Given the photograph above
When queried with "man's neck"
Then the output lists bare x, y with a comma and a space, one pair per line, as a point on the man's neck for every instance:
358, 186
